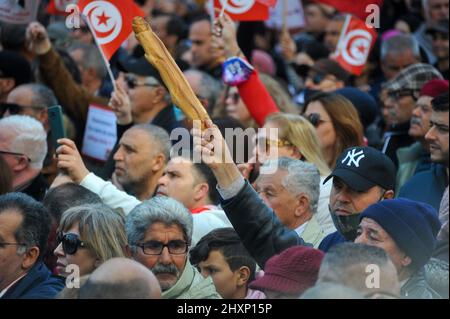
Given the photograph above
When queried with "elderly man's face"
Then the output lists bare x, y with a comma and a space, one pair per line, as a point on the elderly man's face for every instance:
167, 267
437, 136
393, 64
23, 97
420, 121
10, 260
371, 233
277, 197
402, 104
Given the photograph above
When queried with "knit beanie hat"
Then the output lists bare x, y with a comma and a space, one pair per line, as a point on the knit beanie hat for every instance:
291, 272
412, 225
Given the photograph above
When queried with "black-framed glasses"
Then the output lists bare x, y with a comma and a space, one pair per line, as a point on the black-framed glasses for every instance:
314, 119
154, 247
15, 154
132, 82
70, 242
13, 108
397, 95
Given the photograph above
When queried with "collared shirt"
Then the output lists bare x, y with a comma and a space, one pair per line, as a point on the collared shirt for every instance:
300, 229
12, 284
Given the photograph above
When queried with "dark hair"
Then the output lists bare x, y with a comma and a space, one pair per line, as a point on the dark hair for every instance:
340, 263
65, 196
206, 175
131, 289
176, 26
5, 177
35, 226
227, 241
440, 103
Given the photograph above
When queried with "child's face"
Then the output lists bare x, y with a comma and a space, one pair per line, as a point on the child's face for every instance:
228, 283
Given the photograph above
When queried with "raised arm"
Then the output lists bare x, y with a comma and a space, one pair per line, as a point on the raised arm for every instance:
72, 96
257, 225
253, 92
69, 159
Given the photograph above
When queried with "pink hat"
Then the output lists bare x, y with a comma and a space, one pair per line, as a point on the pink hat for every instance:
263, 62
292, 272
389, 34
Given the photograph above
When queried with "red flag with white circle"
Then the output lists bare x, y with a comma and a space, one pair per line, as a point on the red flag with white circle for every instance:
111, 21
355, 43
245, 10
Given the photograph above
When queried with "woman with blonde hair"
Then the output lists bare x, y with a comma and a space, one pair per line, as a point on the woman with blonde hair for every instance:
297, 139
88, 235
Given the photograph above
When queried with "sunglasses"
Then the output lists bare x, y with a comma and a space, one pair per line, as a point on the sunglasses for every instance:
315, 120
132, 82
13, 108
70, 242
235, 97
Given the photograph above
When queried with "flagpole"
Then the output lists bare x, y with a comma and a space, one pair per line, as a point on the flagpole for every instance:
108, 67
343, 32
284, 18
224, 5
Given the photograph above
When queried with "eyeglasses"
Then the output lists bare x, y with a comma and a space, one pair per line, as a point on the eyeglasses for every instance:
70, 242
397, 95
132, 82
315, 120
15, 109
175, 247
15, 154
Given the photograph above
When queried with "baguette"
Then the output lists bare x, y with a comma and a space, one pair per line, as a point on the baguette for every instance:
157, 54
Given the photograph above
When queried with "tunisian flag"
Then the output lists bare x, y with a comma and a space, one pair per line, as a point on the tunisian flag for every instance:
355, 7
111, 21
246, 10
354, 46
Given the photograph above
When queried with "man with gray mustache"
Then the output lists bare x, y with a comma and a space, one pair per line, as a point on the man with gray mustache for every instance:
159, 234
416, 158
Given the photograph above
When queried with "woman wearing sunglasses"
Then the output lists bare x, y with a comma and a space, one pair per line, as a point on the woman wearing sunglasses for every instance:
88, 235
337, 124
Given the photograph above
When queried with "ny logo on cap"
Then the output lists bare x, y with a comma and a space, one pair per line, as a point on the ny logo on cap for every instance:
353, 158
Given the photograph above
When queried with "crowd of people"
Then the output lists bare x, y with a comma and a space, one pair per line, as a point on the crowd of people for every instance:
348, 199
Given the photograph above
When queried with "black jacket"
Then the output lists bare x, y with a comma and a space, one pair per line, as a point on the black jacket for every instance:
396, 137
37, 189
260, 230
